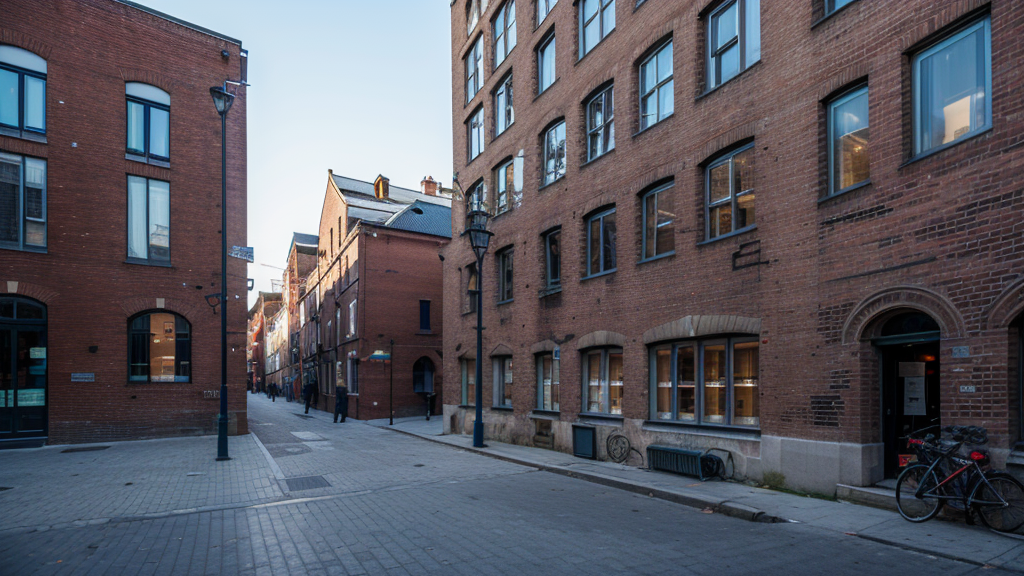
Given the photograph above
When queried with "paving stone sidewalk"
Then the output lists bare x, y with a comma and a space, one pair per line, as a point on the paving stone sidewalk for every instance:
941, 538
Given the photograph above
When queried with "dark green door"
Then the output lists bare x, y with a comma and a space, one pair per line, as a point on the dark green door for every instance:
23, 355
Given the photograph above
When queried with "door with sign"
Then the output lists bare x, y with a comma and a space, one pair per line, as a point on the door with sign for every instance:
23, 358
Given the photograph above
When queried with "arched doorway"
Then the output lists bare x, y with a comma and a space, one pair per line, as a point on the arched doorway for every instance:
908, 345
23, 394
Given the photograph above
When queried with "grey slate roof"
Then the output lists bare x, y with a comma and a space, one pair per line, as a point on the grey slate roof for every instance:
306, 239
423, 217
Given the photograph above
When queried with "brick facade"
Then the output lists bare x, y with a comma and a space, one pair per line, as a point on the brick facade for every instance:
91, 50
818, 276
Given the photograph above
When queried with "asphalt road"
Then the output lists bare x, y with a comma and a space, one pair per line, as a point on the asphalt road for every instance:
355, 499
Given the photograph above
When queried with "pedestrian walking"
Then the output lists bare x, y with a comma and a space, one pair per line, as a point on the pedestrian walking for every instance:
307, 393
316, 394
341, 403
273, 392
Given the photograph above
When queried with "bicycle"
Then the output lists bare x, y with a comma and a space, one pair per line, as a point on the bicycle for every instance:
995, 496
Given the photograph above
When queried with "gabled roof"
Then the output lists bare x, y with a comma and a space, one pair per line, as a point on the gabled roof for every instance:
359, 194
423, 217
305, 239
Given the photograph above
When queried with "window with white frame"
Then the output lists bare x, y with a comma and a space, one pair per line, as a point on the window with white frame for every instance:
657, 101
601, 123
475, 69
602, 381
352, 318
547, 382
713, 381
504, 32
953, 87
554, 153
502, 381
546, 64
504, 178
597, 20
505, 275
658, 218
22, 90
544, 8
22, 202
475, 130
553, 259
149, 121
601, 236
504, 113
734, 40
848, 140
149, 220
468, 368
730, 193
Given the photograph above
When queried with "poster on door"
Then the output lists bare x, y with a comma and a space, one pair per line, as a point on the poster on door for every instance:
913, 396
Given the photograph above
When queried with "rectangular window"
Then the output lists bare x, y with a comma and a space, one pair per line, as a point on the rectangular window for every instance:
425, 315
601, 233
707, 382
475, 128
475, 69
848, 140
734, 40
353, 376
657, 101
730, 193
22, 202
554, 153
337, 325
504, 177
468, 366
547, 382
352, 318
601, 123
833, 5
953, 87
658, 216
159, 348
504, 32
504, 114
602, 381
505, 275
597, 20
22, 98
546, 64
544, 8
503, 381
552, 259
472, 288
149, 220
149, 129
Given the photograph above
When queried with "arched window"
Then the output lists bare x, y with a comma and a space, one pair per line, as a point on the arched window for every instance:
159, 348
423, 376
22, 90
149, 121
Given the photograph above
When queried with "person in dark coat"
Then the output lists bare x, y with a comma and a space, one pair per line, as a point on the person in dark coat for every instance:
341, 404
273, 392
307, 393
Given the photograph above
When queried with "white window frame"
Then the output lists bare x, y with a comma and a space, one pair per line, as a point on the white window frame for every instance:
606, 99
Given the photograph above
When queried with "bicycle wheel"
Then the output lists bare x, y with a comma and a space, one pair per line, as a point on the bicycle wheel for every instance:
1000, 502
909, 505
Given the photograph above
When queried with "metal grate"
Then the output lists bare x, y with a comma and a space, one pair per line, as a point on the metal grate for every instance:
584, 441
84, 449
678, 460
306, 483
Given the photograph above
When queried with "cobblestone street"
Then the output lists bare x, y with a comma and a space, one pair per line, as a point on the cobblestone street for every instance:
356, 499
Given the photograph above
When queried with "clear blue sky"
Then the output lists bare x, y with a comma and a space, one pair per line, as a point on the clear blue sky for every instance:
359, 86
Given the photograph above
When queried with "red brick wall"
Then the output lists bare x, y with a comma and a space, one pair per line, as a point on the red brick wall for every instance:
948, 226
92, 49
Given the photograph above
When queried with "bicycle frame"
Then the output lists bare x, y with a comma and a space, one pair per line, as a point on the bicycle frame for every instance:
964, 466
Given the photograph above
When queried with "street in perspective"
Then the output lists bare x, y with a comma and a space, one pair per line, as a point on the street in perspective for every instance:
378, 288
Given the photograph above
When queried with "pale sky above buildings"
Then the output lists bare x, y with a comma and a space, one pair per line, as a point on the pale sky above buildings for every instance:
363, 87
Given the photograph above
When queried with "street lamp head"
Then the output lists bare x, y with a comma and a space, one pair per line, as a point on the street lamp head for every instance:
222, 99
476, 228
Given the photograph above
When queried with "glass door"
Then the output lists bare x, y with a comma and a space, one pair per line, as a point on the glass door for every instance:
23, 355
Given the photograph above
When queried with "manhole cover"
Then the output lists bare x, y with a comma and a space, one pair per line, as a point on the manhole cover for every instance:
84, 449
306, 483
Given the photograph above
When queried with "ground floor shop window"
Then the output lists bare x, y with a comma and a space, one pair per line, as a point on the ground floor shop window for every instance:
547, 382
706, 382
159, 348
503, 381
468, 382
602, 381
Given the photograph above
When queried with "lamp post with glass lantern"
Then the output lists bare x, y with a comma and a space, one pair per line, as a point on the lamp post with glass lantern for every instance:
223, 99
479, 238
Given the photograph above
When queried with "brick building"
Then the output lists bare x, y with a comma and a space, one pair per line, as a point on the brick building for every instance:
266, 306
743, 265
110, 236
376, 290
301, 261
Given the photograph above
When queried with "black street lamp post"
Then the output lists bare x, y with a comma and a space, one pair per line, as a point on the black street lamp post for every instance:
479, 238
223, 99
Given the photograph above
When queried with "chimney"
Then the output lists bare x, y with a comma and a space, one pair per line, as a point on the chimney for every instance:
428, 186
380, 188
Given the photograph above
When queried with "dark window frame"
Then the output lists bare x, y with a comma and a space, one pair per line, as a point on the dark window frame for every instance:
654, 192
830, 107
734, 196
713, 68
128, 219
502, 196
22, 211
466, 386
506, 274
606, 353
549, 5
552, 280
606, 95
476, 52
547, 42
599, 16
22, 73
478, 114
504, 91
659, 85
148, 106
503, 12
601, 215
555, 405
179, 320
424, 315
558, 173
502, 366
